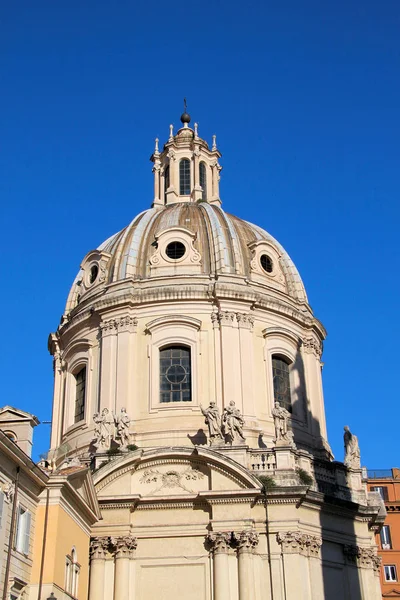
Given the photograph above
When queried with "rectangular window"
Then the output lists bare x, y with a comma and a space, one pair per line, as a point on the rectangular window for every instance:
386, 541
382, 490
175, 374
390, 573
80, 395
23, 531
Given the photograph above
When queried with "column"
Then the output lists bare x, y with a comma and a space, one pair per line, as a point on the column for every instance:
295, 565
217, 360
124, 551
126, 327
246, 322
363, 569
220, 544
231, 376
171, 193
246, 543
58, 398
108, 364
98, 552
315, 562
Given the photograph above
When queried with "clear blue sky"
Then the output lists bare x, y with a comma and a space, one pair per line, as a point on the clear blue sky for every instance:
304, 98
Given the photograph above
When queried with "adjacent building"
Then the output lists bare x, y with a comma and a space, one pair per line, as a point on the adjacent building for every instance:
387, 484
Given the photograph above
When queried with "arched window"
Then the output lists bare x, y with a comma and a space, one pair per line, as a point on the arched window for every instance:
72, 570
203, 180
184, 177
80, 395
175, 374
166, 183
281, 379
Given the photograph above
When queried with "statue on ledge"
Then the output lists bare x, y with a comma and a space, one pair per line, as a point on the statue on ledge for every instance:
232, 423
213, 420
281, 417
352, 457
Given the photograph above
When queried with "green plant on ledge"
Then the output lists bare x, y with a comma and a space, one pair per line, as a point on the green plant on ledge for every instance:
268, 482
113, 451
132, 447
305, 478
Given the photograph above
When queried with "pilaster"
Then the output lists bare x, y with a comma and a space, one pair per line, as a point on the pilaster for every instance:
247, 542
220, 545
124, 548
98, 552
297, 548
246, 353
108, 330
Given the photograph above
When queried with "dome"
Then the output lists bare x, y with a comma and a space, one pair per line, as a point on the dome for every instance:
215, 244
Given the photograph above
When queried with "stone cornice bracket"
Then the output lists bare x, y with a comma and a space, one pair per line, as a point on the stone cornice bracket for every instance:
312, 346
124, 546
365, 558
219, 541
99, 547
246, 540
296, 542
245, 321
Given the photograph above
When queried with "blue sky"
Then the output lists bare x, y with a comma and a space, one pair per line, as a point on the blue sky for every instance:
304, 98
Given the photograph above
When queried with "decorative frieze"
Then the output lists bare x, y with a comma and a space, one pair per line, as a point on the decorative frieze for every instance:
219, 541
296, 542
99, 547
246, 541
312, 345
124, 546
245, 321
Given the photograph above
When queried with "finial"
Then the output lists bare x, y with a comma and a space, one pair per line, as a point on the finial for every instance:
185, 117
214, 143
171, 133
195, 130
156, 146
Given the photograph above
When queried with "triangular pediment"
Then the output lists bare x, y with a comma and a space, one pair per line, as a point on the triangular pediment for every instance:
10, 414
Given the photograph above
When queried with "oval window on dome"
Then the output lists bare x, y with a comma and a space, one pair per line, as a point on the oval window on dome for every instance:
266, 263
175, 250
94, 271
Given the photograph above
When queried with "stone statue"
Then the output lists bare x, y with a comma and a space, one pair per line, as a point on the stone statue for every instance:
122, 422
352, 450
104, 428
213, 421
281, 417
232, 423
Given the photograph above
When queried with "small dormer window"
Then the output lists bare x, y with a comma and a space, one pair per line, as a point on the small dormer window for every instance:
203, 180
184, 177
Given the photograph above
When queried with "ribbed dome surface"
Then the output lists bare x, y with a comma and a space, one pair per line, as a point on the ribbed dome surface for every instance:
222, 240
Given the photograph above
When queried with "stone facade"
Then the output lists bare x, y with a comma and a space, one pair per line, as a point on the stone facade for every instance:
249, 516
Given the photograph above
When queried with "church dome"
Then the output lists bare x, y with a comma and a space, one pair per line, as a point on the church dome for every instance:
211, 242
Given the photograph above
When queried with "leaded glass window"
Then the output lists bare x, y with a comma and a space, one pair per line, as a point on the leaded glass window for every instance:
80, 394
175, 374
203, 180
184, 177
281, 379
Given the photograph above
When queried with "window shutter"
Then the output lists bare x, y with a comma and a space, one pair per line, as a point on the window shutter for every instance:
18, 538
27, 531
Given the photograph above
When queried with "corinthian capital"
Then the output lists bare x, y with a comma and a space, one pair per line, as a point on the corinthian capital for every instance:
124, 546
246, 540
99, 547
313, 346
296, 542
226, 318
245, 321
219, 541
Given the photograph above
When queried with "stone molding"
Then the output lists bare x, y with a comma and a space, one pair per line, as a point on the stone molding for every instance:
312, 346
296, 542
99, 547
246, 541
119, 325
123, 546
219, 541
365, 558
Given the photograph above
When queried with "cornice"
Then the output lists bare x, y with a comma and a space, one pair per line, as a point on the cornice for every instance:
173, 320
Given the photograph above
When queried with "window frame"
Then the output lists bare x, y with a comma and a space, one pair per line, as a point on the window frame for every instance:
23, 530
185, 182
384, 495
386, 545
390, 580
171, 348
84, 403
173, 330
288, 363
